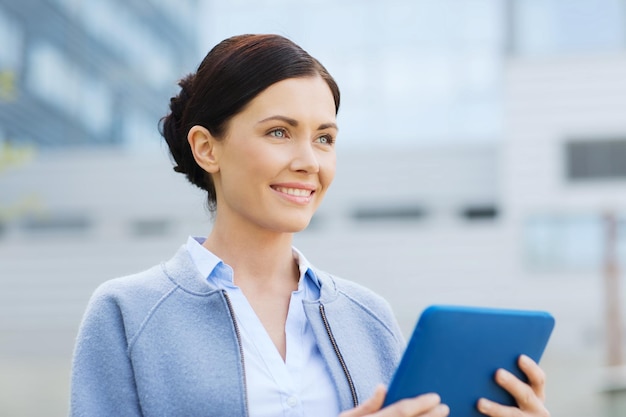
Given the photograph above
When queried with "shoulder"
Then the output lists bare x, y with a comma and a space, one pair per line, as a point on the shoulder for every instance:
132, 301
127, 303
130, 298
149, 286
143, 285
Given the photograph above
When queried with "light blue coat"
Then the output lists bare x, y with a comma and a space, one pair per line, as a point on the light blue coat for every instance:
164, 343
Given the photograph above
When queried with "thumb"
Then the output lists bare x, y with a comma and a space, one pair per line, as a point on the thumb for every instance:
372, 404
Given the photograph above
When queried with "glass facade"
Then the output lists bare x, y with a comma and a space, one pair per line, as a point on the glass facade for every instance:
10, 56
554, 27
575, 242
75, 72
425, 71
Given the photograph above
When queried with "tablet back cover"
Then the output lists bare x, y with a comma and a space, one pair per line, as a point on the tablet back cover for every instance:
455, 351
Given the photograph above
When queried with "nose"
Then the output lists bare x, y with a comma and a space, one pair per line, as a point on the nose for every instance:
305, 158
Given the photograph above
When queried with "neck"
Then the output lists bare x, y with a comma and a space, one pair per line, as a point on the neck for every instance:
262, 257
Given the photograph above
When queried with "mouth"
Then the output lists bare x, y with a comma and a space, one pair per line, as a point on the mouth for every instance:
296, 192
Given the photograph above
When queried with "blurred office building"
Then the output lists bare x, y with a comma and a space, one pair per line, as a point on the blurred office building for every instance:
90, 72
481, 161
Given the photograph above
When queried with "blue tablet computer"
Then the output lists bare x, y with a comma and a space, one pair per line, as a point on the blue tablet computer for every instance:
455, 351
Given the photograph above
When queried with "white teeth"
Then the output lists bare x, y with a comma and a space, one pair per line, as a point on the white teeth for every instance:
298, 192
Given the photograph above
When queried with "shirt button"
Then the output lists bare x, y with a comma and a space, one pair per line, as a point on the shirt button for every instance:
292, 401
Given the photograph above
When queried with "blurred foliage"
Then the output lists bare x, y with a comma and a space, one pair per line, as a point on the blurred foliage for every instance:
8, 87
12, 156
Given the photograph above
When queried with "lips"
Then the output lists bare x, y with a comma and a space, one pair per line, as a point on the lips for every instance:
297, 192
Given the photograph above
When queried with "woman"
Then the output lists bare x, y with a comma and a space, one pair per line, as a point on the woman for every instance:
239, 323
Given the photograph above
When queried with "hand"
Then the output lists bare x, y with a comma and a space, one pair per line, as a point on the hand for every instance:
427, 405
529, 397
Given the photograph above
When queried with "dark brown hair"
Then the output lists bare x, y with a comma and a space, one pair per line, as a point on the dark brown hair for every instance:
232, 74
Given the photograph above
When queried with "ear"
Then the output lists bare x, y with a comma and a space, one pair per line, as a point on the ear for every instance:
203, 146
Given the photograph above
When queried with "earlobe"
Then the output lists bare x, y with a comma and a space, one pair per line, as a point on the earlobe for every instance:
202, 144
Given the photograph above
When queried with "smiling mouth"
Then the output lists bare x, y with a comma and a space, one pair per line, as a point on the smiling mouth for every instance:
297, 192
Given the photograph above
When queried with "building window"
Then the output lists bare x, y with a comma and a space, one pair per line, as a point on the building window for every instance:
113, 23
57, 80
544, 27
56, 223
10, 57
389, 213
480, 212
12, 39
568, 242
596, 159
151, 227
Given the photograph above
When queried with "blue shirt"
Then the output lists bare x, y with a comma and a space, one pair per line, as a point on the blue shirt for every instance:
301, 384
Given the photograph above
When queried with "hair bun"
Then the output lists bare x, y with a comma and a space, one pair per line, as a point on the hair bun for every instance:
179, 103
172, 125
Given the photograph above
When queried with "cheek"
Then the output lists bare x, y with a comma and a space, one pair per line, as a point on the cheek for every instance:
252, 162
328, 166
238, 172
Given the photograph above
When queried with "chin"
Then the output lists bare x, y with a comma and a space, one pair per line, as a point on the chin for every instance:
297, 227
293, 225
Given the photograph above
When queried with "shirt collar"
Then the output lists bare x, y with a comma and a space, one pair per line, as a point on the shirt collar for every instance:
213, 268
306, 270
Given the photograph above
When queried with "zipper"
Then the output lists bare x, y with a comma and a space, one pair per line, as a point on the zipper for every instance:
238, 335
355, 400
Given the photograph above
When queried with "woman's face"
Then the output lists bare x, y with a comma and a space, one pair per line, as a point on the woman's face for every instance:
277, 158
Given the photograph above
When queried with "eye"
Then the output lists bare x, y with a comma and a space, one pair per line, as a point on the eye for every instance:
278, 133
325, 139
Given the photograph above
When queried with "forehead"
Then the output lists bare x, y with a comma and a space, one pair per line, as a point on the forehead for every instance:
299, 98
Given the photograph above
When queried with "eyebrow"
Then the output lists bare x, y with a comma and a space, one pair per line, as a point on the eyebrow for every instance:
294, 122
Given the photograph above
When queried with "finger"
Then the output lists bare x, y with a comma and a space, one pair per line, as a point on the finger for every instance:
493, 409
524, 395
371, 405
536, 376
427, 405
